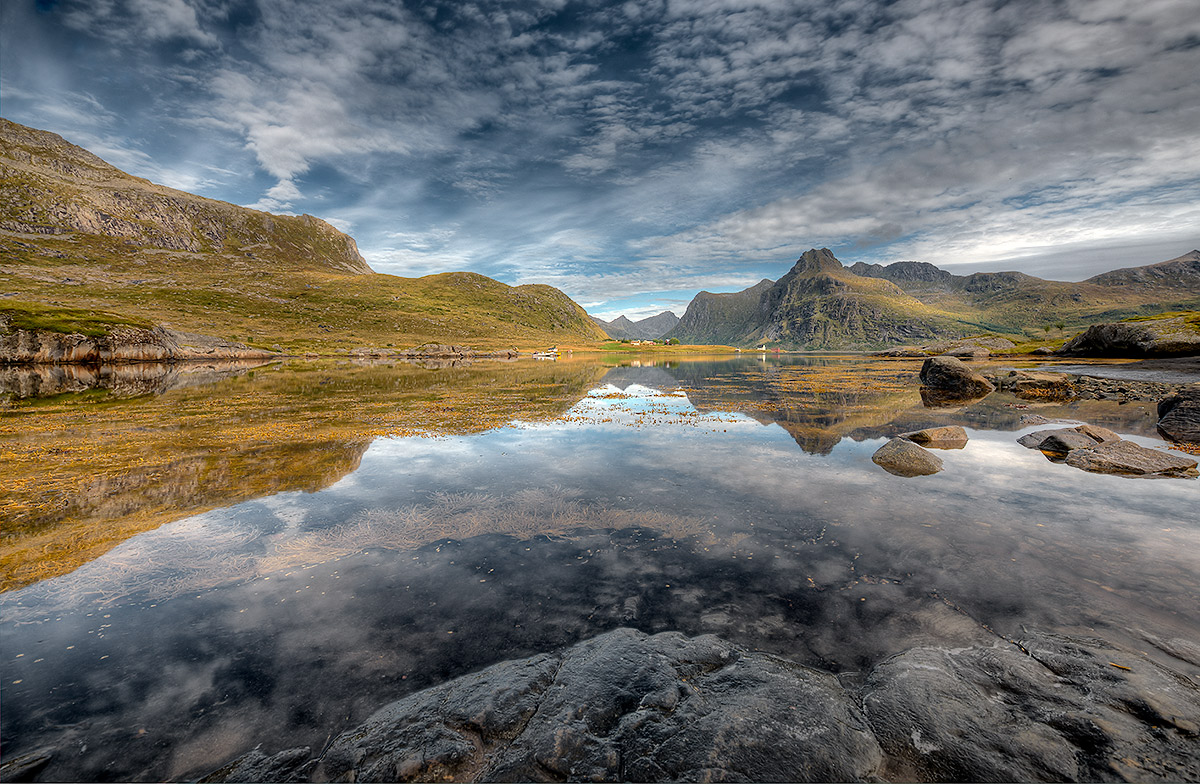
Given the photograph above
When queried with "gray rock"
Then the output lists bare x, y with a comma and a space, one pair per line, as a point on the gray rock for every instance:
1157, 337
27, 766
1060, 442
1101, 434
1049, 708
1179, 415
1126, 457
289, 765
904, 458
946, 437
908, 352
1037, 384
622, 706
949, 374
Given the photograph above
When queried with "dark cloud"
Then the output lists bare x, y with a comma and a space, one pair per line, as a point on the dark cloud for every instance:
619, 150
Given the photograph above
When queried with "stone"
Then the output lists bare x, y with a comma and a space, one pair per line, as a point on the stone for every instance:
947, 437
1044, 708
1179, 415
1126, 457
1061, 442
904, 458
949, 374
1178, 336
1037, 385
1101, 434
622, 706
908, 352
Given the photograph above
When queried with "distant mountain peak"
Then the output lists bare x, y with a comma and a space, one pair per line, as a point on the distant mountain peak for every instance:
816, 262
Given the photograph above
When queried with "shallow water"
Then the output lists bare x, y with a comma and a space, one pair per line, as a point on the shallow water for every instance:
727, 496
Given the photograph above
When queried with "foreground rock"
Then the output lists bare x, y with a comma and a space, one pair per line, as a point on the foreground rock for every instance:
622, 706
1126, 457
630, 707
1159, 337
949, 374
121, 344
947, 437
1179, 415
904, 458
1053, 709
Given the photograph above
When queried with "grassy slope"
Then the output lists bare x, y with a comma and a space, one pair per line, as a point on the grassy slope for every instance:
78, 234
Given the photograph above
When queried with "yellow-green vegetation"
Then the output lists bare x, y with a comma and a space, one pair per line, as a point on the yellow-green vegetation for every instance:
36, 316
84, 472
78, 235
1188, 318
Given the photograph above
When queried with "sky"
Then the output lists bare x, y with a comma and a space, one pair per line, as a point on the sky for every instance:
634, 153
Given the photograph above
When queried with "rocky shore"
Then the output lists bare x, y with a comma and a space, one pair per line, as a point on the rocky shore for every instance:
120, 344
626, 706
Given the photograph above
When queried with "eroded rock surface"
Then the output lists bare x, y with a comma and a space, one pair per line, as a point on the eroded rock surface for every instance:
121, 344
1126, 457
1158, 337
945, 437
626, 706
1051, 709
1179, 415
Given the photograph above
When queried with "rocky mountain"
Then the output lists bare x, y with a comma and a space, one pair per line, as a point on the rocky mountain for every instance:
823, 305
651, 328
79, 235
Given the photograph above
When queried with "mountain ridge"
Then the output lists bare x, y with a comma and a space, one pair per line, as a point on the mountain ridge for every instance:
650, 328
819, 303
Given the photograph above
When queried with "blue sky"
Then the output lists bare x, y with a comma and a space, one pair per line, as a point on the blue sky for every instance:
634, 153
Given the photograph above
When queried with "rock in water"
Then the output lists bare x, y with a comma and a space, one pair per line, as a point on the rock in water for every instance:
904, 458
1126, 457
1053, 709
1179, 415
624, 705
1154, 337
951, 375
947, 437
1061, 442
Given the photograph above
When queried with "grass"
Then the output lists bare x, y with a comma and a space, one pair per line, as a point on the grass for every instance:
38, 316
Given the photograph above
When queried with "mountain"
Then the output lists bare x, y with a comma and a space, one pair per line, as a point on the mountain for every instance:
79, 235
823, 305
651, 328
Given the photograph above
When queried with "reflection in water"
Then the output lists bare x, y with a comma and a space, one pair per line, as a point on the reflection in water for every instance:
124, 380
293, 615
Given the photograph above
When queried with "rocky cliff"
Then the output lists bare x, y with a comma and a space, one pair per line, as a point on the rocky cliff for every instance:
651, 328
120, 344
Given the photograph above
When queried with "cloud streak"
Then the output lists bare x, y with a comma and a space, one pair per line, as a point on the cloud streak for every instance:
631, 152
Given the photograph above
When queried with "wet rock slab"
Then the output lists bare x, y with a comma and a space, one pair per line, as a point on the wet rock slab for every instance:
626, 706
1050, 708
1126, 457
1179, 415
946, 437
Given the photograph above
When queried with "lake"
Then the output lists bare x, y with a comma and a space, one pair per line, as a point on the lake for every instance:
197, 561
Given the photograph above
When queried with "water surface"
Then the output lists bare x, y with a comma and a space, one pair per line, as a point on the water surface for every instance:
337, 537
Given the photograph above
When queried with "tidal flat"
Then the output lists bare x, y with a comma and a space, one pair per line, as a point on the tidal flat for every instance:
195, 564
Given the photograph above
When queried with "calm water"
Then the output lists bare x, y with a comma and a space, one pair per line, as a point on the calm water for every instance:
734, 497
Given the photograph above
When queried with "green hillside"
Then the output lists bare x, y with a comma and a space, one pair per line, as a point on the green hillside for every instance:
77, 234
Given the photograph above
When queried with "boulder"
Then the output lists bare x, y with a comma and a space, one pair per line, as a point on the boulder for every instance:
1047, 708
1063, 440
1037, 384
904, 458
1126, 457
1156, 337
622, 706
947, 437
949, 374
1179, 415
1060, 442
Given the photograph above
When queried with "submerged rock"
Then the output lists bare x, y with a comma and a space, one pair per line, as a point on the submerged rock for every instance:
946, 437
1126, 457
949, 374
1060, 442
904, 458
1179, 415
1037, 384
